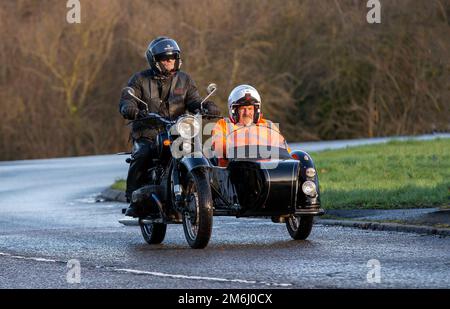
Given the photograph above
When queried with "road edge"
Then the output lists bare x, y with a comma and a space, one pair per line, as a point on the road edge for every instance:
119, 196
381, 226
113, 195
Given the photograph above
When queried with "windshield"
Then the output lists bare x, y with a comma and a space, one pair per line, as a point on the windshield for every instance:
256, 142
256, 135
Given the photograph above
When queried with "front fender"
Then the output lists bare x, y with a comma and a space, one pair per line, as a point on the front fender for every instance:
193, 162
306, 162
304, 158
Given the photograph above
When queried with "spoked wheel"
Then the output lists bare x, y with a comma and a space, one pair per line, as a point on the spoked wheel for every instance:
198, 215
299, 227
153, 233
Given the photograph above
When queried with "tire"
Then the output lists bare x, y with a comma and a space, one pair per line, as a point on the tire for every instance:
153, 233
299, 227
198, 216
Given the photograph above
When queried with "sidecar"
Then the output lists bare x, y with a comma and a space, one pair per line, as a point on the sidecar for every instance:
279, 185
262, 178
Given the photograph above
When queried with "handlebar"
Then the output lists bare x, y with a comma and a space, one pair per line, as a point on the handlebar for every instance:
154, 116
167, 121
159, 117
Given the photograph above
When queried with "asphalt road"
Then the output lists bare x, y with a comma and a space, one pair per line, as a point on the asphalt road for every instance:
49, 215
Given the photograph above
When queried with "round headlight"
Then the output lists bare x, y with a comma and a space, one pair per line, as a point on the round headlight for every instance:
310, 172
187, 147
188, 127
309, 188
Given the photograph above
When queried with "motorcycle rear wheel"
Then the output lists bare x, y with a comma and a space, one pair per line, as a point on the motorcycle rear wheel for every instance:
198, 216
153, 233
299, 227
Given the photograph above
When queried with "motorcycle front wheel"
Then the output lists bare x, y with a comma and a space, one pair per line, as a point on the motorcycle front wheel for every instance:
153, 233
299, 227
198, 215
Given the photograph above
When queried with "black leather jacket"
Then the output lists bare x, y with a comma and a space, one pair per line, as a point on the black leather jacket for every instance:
179, 91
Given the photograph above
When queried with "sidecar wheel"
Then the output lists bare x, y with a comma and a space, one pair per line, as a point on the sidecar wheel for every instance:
299, 227
198, 217
153, 233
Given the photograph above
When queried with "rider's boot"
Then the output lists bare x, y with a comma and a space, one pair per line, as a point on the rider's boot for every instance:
136, 178
133, 210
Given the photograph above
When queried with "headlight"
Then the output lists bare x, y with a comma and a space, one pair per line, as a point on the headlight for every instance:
310, 172
187, 147
188, 127
309, 188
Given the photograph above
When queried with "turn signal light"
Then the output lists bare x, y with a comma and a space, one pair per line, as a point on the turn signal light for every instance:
166, 142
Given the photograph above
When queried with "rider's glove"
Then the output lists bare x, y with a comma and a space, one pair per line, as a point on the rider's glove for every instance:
130, 112
211, 109
141, 114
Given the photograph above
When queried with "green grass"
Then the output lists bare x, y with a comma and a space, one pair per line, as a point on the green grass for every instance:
409, 174
120, 185
393, 175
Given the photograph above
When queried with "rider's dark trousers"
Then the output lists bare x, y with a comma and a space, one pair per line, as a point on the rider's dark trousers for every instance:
142, 155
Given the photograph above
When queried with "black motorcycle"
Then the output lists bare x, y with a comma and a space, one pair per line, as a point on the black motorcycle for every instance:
186, 186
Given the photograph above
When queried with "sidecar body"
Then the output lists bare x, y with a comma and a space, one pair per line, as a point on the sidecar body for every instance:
269, 187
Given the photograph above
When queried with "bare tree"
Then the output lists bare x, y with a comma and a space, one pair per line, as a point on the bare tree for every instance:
322, 70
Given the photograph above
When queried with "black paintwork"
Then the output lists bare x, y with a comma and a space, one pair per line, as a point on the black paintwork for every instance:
262, 191
246, 188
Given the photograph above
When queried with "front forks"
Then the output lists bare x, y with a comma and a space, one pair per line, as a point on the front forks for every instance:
177, 189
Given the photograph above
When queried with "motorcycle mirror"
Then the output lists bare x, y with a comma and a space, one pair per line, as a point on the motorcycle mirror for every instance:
211, 88
130, 91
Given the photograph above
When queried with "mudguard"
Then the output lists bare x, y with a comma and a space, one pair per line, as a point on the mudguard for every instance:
306, 162
194, 162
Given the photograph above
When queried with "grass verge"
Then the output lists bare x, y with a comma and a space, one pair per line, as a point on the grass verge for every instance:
398, 174
119, 184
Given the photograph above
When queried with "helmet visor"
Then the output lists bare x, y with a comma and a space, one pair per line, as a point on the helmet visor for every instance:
247, 100
167, 56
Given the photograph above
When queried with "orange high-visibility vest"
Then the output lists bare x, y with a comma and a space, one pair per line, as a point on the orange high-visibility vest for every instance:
225, 133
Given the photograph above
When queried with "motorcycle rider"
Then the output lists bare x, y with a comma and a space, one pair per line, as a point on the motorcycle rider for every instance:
245, 117
169, 92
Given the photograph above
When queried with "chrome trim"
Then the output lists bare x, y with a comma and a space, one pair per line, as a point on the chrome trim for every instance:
316, 212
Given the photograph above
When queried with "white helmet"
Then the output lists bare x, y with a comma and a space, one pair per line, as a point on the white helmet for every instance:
244, 95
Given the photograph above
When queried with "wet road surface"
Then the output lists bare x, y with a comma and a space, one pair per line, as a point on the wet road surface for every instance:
49, 215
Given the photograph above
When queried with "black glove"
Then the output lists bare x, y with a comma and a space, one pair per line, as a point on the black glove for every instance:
141, 114
211, 109
130, 112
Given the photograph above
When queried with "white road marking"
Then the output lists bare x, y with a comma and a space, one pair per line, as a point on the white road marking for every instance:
175, 276
152, 273
28, 258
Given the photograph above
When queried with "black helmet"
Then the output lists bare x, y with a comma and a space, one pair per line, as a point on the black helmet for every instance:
160, 48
